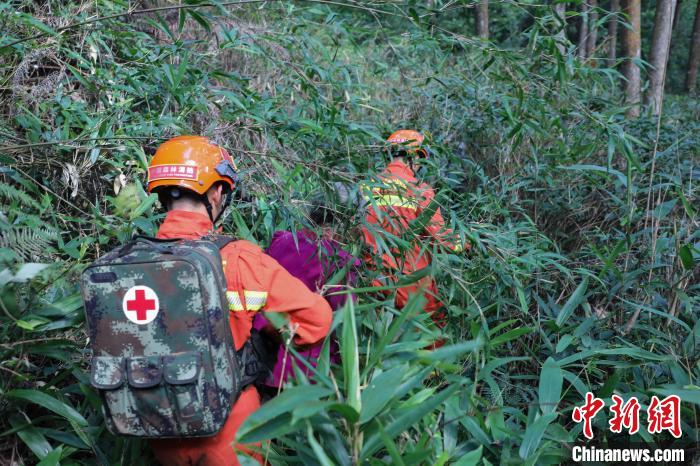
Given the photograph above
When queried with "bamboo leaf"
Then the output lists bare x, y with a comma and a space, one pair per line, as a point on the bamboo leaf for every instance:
31, 436
551, 380
686, 257
470, 459
621, 177
47, 401
53, 458
28, 271
564, 342
533, 435
321, 455
145, 205
380, 390
448, 352
274, 417
509, 335
572, 303
403, 421
350, 357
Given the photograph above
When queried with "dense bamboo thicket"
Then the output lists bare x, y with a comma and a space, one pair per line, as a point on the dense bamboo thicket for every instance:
580, 202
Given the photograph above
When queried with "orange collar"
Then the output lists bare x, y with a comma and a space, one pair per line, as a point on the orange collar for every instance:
185, 224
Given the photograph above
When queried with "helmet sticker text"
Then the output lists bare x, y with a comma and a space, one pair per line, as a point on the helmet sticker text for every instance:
173, 171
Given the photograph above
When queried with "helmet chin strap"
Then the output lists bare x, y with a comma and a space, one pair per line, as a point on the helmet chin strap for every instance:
210, 209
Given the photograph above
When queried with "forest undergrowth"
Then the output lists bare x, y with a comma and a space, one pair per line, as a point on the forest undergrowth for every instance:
582, 276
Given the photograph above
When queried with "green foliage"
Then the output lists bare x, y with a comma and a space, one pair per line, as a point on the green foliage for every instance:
583, 225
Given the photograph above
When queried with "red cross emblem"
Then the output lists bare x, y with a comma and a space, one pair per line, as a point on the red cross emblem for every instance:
140, 304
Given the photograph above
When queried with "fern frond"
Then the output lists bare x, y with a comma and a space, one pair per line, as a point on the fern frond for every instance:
28, 243
12, 194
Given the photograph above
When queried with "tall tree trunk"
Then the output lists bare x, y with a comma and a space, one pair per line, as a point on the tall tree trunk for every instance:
632, 41
592, 28
612, 32
660, 47
583, 31
482, 19
694, 56
676, 14
560, 15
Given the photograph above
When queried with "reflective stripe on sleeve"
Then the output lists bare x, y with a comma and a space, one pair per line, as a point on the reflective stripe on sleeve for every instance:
389, 200
396, 201
392, 195
254, 300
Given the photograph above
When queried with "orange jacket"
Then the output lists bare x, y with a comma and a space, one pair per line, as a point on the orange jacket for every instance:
255, 283
400, 201
393, 206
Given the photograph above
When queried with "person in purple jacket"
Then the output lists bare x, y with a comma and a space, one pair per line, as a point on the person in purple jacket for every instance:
313, 260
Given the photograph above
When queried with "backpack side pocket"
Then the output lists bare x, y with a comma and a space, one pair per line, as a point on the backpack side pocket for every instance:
108, 376
145, 377
182, 376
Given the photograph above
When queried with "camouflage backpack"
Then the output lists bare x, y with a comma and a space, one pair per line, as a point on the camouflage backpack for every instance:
163, 358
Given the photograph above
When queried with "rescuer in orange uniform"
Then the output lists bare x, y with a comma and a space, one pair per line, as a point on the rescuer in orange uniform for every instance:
394, 205
193, 179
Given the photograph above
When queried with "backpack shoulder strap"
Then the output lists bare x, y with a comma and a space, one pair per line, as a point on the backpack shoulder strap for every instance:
220, 240
162, 245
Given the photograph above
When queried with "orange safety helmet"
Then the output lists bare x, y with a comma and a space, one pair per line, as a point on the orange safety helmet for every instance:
409, 141
191, 162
